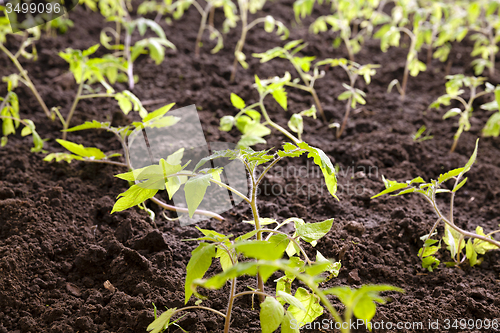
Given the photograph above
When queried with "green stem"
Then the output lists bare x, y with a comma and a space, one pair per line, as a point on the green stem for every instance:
200, 308
454, 227
273, 124
204, 15
227, 322
251, 292
73, 107
243, 6
412, 47
96, 96
24, 74
346, 116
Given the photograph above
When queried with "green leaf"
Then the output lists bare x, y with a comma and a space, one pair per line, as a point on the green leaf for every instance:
271, 315
458, 186
296, 123
265, 250
88, 125
471, 160
263, 221
430, 262
226, 123
3, 141
237, 101
280, 97
452, 113
195, 190
470, 253
310, 302
289, 325
132, 197
492, 127
161, 322
291, 300
392, 188
200, 262
91, 50
310, 232
324, 163
449, 175
93, 153
159, 112
224, 258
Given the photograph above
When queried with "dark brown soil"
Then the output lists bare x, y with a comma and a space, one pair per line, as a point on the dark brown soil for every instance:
59, 244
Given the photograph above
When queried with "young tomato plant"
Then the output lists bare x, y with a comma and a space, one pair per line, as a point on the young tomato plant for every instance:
265, 252
390, 35
492, 127
248, 119
135, 195
477, 244
87, 71
361, 15
352, 95
127, 52
9, 113
29, 37
453, 92
229, 10
446, 23
485, 22
252, 6
301, 64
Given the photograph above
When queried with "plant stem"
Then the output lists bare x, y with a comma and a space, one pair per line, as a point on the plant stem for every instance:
344, 122
199, 307
204, 15
318, 104
251, 292
430, 235
412, 47
255, 212
454, 227
273, 124
492, 54
73, 107
230, 306
128, 54
24, 74
243, 5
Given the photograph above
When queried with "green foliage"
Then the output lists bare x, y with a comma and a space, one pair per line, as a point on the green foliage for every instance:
454, 237
359, 14
454, 92
419, 135
361, 302
9, 114
92, 70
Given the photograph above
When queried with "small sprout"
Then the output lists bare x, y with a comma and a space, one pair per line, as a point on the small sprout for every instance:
420, 137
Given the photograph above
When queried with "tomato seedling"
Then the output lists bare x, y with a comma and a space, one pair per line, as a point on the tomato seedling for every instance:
252, 6
9, 113
361, 15
390, 35
136, 195
484, 21
248, 120
128, 53
453, 92
478, 242
87, 71
353, 95
29, 37
301, 64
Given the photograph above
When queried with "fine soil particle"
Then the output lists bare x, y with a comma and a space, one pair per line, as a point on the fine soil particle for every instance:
67, 265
